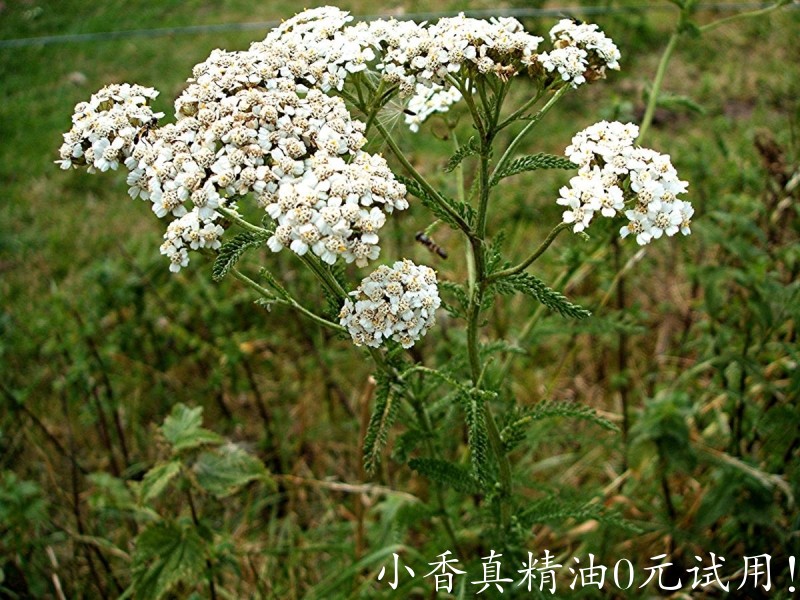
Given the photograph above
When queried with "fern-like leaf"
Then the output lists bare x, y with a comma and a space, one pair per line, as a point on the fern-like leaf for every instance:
469, 149
447, 473
459, 292
536, 288
273, 283
513, 433
381, 421
478, 436
533, 162
232, 250
493, 258
559, 510
406, 443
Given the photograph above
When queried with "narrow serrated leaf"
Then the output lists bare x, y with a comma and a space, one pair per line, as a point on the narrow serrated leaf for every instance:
536, 288
381, 421
460, 294
477, 435
532, 162
406, 442
462, 209
469, 149
274, 284
446, 473
513, 433
232, 250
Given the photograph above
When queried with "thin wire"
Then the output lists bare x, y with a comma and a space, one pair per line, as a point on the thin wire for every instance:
49, 40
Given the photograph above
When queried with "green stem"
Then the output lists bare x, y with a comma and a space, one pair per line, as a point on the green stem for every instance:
652, 101
533, 121
496, 442
435, 195
477, 287
532, 258
466, 91
288, 301
745, 15
232, 216
483, 204
334, 287
519, 112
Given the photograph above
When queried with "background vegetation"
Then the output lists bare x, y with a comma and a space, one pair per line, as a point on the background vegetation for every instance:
691, 352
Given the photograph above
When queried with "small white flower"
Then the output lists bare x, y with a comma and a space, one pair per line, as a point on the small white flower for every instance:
581, 215
639, 225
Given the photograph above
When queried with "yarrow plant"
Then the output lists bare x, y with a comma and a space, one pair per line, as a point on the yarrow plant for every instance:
273, 142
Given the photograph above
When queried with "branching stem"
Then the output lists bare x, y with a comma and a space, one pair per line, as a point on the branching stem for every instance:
268, 295
532, 258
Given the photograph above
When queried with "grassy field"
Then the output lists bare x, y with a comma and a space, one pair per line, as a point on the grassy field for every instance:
691, 352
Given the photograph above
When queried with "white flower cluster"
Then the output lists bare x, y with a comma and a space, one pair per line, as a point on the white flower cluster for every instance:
296, 149
105, 128
613, 174
428, 100
581, 52
396, 303
319, 48
334, 208
261, 122
428, 54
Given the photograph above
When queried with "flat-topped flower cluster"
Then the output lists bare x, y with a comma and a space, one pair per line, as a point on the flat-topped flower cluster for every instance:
267, 123
581, 51
616, 176
107, 126
397, 303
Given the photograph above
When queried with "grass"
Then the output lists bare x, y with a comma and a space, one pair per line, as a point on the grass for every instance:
95, 330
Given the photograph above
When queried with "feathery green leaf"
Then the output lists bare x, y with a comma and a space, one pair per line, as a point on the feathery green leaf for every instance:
381, 421
462, 209
513, 433
232, 250
478, 436
532, 162
447, 473
469, 149
536, 288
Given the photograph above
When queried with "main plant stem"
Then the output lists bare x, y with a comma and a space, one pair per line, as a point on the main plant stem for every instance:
477, 286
